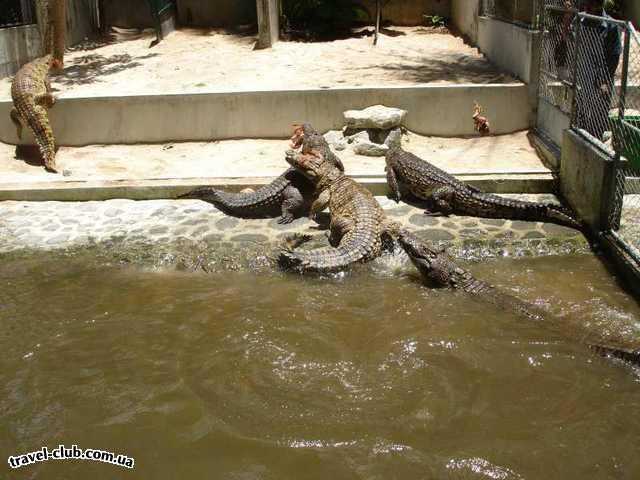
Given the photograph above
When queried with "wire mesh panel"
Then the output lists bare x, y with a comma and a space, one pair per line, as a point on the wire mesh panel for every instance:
558, 56
16, 12
599, 47
625, 127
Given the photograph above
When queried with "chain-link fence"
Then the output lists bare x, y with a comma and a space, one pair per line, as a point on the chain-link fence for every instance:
16, 12
624, 125
526, 13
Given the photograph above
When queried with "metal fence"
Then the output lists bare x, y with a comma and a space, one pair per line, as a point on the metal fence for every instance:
624, 128
14, 13
590, 69
526, 13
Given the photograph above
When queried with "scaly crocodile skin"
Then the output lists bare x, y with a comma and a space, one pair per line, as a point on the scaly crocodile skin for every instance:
290, 196
357, 220
31, 94
445, 194
437, 267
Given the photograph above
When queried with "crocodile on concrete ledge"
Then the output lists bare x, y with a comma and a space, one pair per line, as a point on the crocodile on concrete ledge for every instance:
445, 194
358, 223
440, 270
31, 94
290, 195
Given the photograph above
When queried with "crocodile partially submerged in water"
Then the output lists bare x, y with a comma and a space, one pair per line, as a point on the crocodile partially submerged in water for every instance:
358, 223
445, 194
288, 196
440, 270
32, 97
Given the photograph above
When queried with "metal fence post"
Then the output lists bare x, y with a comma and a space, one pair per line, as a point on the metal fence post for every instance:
576, 54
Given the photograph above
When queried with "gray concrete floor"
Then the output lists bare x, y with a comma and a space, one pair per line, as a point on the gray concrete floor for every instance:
511, 154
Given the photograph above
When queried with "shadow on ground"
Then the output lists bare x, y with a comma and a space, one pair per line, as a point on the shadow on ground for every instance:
453, 68
92, 68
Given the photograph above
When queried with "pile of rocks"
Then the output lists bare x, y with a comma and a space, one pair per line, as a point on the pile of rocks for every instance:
369, 132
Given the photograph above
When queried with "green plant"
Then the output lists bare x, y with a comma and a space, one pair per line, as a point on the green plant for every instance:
435, 20
323, 18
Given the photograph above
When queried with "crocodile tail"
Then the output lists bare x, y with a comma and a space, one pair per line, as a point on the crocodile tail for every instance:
319, 260
564, 216
354, 248
495, 206
208, 194
38, 121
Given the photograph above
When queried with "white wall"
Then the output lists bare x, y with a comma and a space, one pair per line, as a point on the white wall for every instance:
18, 45
433, 110
464, 14
509, 47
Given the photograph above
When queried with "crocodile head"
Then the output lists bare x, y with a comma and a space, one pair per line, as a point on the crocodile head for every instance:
307, 138
434, 265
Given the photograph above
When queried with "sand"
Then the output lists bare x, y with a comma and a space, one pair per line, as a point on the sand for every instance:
212, 60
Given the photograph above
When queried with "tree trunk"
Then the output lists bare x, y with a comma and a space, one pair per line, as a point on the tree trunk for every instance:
58, 12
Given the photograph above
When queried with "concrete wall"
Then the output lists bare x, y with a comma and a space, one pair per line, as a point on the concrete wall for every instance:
410, 12
511, 48
18, 45
464, 14
585, 179
553, 121
216, 13
433, 110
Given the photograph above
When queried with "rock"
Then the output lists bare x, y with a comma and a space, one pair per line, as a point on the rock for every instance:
394, 138
378, 116
336, 139
370, 149
359, 137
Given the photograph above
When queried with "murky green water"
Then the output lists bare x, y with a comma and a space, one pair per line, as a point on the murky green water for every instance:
272, 376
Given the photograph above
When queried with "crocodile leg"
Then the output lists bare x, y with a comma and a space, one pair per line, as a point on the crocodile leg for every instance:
17, 121
292, 202
46, 100
392, 181
442, 201
320, 203
339, 228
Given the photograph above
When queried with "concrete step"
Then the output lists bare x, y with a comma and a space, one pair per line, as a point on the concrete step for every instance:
434, 109
500, 164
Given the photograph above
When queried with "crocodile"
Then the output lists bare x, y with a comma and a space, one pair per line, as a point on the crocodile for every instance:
439, 270
358, 226
31, 94
445, 194
290, 195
